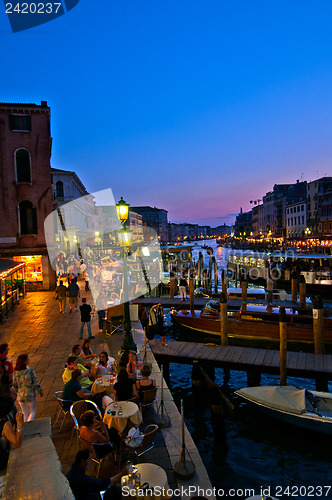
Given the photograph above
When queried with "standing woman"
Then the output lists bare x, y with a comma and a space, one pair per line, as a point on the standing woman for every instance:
26, 384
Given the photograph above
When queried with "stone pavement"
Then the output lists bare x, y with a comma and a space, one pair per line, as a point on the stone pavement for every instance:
37, 327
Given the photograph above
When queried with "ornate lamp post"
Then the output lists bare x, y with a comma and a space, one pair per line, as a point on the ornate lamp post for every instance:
124, 236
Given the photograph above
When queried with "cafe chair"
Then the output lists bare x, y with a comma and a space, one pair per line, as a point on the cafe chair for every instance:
147, 444
147, 398
77, 409
63, 407
100, 452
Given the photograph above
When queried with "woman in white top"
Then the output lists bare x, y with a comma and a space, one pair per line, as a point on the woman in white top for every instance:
106, 365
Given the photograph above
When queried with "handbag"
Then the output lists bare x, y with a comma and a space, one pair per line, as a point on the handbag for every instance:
134, 438
56, 296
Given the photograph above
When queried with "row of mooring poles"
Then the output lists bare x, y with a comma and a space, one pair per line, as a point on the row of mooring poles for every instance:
318, 332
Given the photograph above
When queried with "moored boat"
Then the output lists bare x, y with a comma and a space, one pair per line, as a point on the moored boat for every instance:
257, 266
253, 322
297, 406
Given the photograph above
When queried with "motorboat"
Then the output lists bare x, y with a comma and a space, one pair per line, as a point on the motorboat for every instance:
308, 409
251, 322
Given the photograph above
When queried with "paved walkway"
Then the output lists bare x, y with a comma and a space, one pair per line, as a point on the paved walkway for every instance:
37, 327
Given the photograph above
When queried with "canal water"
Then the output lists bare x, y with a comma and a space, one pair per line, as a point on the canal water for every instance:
252, 451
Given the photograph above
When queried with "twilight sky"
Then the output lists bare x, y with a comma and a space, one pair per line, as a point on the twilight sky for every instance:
194, 106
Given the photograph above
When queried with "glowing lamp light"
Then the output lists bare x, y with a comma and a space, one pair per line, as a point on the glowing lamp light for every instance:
122, 209
124, 236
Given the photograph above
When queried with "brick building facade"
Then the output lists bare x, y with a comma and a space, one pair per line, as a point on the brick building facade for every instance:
26, 188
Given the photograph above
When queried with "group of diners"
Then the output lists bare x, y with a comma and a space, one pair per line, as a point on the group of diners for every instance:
133, 378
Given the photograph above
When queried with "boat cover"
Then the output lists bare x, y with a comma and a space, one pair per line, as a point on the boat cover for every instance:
285, 398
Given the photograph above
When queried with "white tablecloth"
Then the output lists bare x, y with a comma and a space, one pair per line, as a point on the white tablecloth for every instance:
154, 476
130, 411
103, 384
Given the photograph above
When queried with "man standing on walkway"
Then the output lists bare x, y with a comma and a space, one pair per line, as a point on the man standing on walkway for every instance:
269, 289
61, 294
74, 293
183, 287
85, 318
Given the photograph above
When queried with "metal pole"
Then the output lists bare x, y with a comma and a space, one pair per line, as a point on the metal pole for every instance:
128, 341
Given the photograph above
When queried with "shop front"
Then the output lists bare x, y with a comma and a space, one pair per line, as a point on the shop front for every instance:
33, 271
12, 285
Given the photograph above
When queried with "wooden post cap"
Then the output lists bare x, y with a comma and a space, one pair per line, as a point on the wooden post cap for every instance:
301, 279
318, 303
282, 315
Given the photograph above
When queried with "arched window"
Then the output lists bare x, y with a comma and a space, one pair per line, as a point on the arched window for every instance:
59, 189
28, 218
22, 159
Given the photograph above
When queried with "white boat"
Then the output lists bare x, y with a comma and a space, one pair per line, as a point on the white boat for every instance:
259, 293
311, 410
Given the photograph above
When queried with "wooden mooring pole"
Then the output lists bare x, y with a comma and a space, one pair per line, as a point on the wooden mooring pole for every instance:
244, 286
215, 272
224, 284
303, 292
191, 295
294, 286
223, 319
210, 273
283, 346
318, 328
205, 279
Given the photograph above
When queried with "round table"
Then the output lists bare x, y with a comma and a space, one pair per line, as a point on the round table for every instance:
156, 477
130, 411
103, 384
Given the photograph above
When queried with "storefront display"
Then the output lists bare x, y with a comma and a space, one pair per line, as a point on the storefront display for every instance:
12, 285
33, 271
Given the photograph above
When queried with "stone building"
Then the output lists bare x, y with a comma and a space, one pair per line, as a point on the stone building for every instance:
26, 189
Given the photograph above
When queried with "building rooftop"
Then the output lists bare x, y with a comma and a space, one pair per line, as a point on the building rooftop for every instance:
43, 104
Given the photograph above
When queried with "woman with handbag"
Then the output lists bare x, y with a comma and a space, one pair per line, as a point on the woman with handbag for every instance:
26, 385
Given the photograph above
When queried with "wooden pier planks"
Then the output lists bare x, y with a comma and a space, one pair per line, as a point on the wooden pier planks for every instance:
240, 358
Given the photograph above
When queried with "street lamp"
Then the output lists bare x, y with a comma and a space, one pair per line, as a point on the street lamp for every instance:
124, 235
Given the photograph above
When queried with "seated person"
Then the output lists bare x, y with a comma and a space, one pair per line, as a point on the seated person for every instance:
84, 486
106, 365
72, 364
145, 383
123, 359
86, 352
73, 390
76, 351
11, 428
90, 435
124, 388
132, 365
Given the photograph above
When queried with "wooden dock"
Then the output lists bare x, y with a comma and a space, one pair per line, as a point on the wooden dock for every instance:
177, 303
299, 364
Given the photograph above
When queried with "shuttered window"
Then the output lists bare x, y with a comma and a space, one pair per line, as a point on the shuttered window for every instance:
22, 159
20, 122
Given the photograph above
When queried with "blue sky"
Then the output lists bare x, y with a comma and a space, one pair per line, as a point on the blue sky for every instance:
193, 106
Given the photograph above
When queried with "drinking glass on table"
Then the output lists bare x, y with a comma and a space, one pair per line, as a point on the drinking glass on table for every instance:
137, 481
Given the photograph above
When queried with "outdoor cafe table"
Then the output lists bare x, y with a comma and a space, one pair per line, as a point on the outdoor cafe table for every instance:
130, 411
155, 476
103, 384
